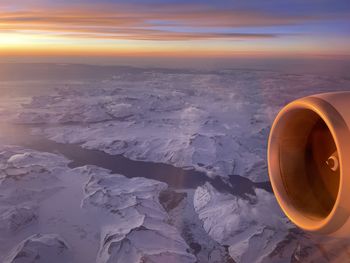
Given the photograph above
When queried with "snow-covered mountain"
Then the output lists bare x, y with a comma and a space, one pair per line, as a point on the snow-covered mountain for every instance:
212, 125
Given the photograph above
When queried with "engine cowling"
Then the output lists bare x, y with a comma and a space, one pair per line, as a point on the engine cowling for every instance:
309, 162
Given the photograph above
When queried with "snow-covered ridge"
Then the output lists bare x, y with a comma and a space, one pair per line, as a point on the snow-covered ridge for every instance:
139, 231
99, 215
255, 230
217, 122
41, 248
212, 121
237, 222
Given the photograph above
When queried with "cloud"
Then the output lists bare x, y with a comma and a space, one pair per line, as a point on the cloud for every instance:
143, 22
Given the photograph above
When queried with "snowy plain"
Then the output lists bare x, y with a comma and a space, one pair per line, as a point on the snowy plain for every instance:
212, 121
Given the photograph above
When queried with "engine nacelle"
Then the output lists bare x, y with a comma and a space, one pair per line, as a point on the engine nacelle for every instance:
309, 162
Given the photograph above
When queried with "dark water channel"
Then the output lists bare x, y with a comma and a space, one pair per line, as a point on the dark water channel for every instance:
175, 177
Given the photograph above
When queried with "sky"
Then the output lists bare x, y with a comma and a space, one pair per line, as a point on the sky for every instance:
192, 28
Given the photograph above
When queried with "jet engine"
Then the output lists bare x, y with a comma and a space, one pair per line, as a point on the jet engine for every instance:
309, 162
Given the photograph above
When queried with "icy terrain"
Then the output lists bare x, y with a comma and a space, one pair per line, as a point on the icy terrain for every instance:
215, 122
120, 217
211, 121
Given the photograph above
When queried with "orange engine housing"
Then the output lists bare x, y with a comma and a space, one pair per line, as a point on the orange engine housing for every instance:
309, 162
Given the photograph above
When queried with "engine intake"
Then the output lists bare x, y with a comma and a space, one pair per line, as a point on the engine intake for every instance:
309, 162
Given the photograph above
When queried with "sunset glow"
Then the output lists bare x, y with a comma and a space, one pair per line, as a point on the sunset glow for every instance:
191, 28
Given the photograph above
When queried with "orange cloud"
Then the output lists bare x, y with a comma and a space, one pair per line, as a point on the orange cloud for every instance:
144, 23
163, 29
